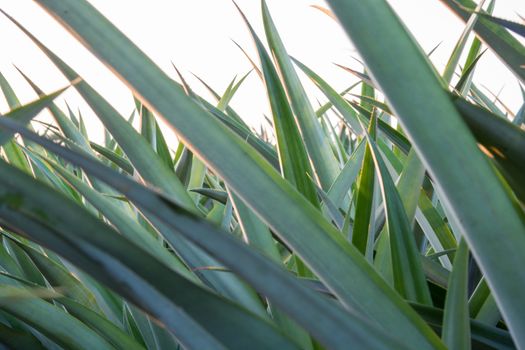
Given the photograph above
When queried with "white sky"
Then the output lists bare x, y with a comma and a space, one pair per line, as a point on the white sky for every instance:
196, 36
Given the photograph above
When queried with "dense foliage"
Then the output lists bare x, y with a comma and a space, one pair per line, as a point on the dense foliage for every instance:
391, 217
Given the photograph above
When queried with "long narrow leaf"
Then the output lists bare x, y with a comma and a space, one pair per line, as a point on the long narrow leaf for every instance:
438, 145
304, 305
300, 225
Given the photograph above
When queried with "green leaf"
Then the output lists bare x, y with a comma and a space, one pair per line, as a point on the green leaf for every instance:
262, 147
235, 118
69, 127
476, 194
483, 336
346, 177
520, 115
350, 116
218, 195
513, 26
307, 308
302, 227
328, 105
12, 100
293, 158
150, 167
465, 81
51, 219
456, 325
317, 144
364, 199
258, 236
24, 114
101, 325
501, 140
124, 223
409, 279
487, 128
151, 131
502, 43
230, 92
18, 339
460, 45
52, 321
482, 305
226, 284
28, 268
154, 335
409, 184
119, 161
147, 163
429, 219
59, 277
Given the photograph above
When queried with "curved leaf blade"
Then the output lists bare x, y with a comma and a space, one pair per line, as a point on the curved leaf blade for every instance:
438, 145
300, 225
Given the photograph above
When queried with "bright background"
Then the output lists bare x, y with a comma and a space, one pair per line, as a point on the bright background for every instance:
197, 37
